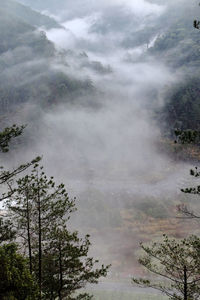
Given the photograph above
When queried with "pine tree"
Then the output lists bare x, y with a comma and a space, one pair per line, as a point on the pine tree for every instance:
6, 137
177, 263
37, 205
68, 267
41, 209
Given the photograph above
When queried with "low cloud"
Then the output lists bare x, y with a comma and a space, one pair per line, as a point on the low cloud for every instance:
105, 140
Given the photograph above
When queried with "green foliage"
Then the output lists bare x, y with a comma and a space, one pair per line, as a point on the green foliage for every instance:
16, 283
38, 205
187, 136
193, 190
57, 257
177, 263
6, 176
7, 135
183, 208
7, 233
38, 189
67, 267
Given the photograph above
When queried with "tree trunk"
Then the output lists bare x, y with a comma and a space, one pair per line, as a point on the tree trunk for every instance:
185, 283
28, 233
61, 272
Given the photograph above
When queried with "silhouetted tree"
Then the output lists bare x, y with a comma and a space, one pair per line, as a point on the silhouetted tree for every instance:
177, 263
67, 267
57, 257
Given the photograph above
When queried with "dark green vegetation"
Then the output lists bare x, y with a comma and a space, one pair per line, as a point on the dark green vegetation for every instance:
16, 282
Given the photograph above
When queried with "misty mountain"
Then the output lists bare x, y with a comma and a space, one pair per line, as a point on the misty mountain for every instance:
52, 5
172, 39
25, 15
28, 61
107, 20
178, 46
96, 81
18, 29
48, 74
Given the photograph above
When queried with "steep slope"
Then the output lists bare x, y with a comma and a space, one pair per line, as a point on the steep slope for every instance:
29, 61
26, 14
14, 33
43, 5
178, 47
18, 25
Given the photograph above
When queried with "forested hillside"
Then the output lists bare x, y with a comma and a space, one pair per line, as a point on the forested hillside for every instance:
28, 61
27, 15
178, 47
176, 44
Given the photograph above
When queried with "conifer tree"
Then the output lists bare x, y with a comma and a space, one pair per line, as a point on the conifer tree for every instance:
58, 258
176, 266
68, 267
37, 205
6, 137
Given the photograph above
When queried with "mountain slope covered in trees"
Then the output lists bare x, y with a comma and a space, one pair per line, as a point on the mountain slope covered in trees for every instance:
178, 47
22, 13
28, 61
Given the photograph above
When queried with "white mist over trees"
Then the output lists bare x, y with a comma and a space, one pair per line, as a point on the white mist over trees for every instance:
93, 81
